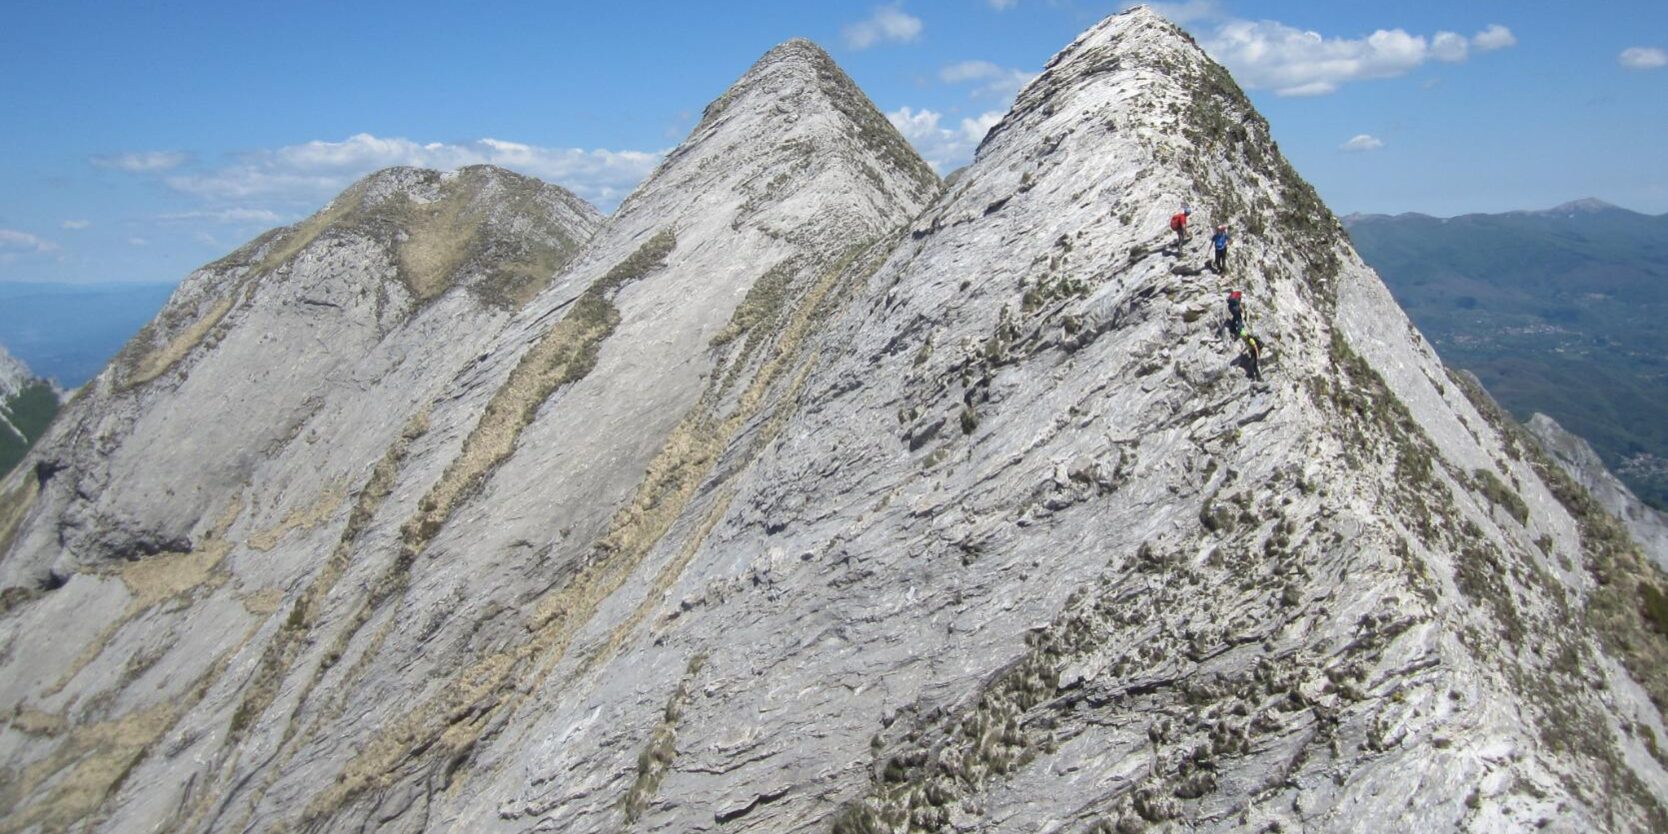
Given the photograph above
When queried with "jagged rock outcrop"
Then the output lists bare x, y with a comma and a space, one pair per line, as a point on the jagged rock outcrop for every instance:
813, 495
1648, 526
27, 406
13, 373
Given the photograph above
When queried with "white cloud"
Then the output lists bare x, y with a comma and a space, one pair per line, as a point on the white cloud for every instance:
1003, 5
13, 239
314, 171
1294, 62
77, 224
1449, 46
1494, 37
1184, 12
1643, 58
944, 148
138, 241
227, 215
989, 79
888, 23
141, 162
1362, 142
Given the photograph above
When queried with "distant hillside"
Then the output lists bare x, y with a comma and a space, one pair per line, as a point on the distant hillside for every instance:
27, 406
1557, 311
67, 332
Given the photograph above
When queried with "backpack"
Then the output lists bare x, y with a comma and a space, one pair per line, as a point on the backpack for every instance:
1177, 222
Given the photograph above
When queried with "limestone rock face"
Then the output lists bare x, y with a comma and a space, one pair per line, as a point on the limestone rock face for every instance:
815, 495
13, 373
1648, 526
27, 405
299, 351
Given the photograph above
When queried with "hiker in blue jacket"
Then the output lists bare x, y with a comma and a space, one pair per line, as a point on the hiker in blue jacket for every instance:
1220, 242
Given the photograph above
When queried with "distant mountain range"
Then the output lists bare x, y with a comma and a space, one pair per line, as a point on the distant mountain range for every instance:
67, 332
1558, 311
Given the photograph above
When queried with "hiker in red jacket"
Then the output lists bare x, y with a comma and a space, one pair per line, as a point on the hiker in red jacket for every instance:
1178, 224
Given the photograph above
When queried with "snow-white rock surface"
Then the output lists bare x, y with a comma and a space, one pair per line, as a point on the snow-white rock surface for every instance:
13, 373
810, 496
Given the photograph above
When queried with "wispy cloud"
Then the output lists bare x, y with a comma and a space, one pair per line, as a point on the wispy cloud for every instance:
228, 215
1294, 62
887, 23
77, 224
25, 242
314, 171
1362, 142
138, 241
1003, 5
988, 79
1643, 58
944, 148
142, 162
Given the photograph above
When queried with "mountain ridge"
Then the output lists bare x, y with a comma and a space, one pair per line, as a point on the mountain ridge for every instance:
1584, 205
813, 495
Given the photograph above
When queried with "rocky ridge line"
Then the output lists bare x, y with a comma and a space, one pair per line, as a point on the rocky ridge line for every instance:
835, 519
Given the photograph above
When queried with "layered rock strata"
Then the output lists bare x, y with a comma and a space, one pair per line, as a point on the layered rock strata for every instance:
814, 495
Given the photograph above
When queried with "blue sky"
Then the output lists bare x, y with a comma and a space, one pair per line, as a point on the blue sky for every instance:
143, 139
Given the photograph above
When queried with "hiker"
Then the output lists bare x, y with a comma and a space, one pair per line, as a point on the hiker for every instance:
1253, 354
1220, 241
1236, 314
1178, 224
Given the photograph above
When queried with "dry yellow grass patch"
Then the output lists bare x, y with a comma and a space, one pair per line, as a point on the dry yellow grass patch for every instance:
302, 518
263, 603
36, 723
157, 361
156, 578
302, 234
14, 505
661, 584
78, 775
439, 238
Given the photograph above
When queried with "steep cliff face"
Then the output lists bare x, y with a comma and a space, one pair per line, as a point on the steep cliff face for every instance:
810, 496
1031, 552
1647, 526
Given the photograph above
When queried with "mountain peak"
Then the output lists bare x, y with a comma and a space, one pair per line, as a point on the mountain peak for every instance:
13, 373
441, 226
1586, 205
796, 112
779, 449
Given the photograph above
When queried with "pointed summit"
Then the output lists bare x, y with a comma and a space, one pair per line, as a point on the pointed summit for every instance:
796, 113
